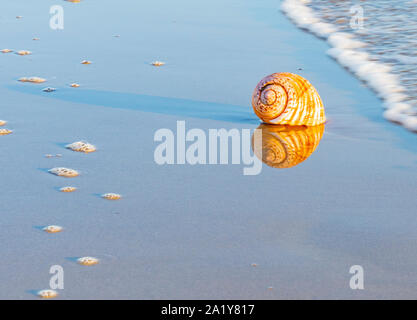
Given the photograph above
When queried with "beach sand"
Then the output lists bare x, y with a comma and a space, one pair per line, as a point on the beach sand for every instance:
182, 231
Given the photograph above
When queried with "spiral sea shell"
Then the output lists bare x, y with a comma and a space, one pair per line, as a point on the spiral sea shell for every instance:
287, 98
287, 146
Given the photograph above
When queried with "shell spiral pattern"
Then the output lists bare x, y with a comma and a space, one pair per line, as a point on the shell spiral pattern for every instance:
287, 98
287, 146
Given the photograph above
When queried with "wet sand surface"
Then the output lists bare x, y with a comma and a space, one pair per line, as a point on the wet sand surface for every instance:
182, 231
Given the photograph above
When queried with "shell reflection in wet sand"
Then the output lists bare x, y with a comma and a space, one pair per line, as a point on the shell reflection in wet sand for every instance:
64, 172
47, 294
87, 261
52, 229
287, 146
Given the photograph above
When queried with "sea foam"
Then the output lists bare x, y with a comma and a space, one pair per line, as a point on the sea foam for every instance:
351, 54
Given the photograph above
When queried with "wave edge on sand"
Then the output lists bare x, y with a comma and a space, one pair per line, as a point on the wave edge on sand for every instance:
345, 51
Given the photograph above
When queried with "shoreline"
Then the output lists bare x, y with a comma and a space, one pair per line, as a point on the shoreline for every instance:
192, 232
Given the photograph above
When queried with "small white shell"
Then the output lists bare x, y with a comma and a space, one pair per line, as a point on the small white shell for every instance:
3, 132
68, 189
52, 229
23, 52
157, 63
88, 261
47, 294
6, 50
64, 172
81, 146
32, 79
85, 62
2, 122
111, 196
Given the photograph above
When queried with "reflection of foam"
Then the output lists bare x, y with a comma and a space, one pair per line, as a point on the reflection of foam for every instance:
287, 146
345, 50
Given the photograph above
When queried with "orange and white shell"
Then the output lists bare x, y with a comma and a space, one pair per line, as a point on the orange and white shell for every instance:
287, 98
287, 146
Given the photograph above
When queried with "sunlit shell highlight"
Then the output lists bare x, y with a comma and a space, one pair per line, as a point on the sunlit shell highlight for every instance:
52, 229
287, 146
47, 294
64, 172
111, 196
287, 98
81, 146
88, 261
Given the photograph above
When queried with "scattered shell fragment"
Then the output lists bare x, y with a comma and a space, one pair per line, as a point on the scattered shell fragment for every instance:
287, 98
53, 229
47, 294
157, 63
254, 264
74, 85
35, 39
58, 155
68, 189
81, 146
111, 196
2, 122
6, 50
19, 17
64, 172
73, 1
85, 62
4, 132
87, 261
23, 52
32, 79
49, 89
